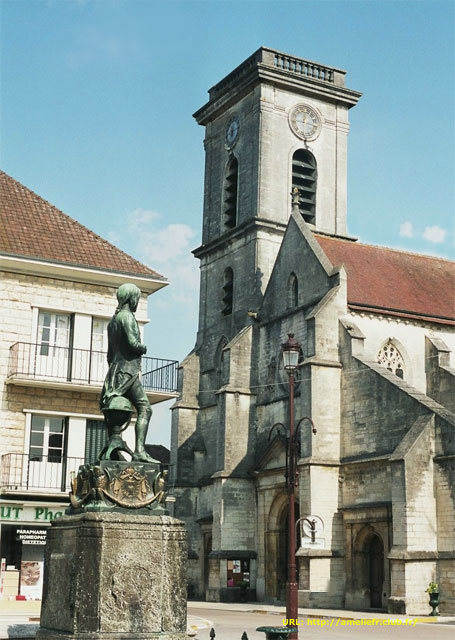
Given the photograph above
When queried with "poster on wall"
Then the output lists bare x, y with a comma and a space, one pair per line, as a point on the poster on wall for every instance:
31, 585
236, 566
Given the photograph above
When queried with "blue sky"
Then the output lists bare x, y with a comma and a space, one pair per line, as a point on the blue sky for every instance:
96, 117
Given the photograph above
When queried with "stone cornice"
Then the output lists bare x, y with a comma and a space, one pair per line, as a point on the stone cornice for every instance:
272, 67
365, 458
231, 389
419, 555
234, 554
417, 318
314, 461
320, 362
227, 238
307, 552
364, 506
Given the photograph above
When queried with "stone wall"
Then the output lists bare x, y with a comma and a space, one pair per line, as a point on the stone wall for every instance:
369, 392
396, 446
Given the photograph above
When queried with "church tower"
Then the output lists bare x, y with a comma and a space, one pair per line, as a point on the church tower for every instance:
277, 125
273, 265
274, 124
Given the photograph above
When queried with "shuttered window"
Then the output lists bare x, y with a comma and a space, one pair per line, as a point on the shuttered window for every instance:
95, 439
228, 291
230, 194
304, 178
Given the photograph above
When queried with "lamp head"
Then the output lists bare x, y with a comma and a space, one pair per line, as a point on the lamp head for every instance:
291, 353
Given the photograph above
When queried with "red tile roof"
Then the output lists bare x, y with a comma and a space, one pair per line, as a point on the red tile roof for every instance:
382, 280
32, 227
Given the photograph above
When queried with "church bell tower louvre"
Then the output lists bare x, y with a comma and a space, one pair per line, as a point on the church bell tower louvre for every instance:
274, 124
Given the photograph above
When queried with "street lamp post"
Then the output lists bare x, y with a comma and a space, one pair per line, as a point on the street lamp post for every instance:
291, 350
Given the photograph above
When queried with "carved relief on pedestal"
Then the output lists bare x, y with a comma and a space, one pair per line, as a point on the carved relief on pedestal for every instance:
119, 485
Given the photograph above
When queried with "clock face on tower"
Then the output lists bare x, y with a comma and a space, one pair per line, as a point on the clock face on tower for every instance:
232, 131
305, 122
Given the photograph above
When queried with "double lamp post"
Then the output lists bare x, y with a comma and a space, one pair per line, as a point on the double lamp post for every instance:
291, 351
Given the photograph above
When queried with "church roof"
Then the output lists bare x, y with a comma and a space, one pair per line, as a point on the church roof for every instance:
159, 452
33, 228
382, 280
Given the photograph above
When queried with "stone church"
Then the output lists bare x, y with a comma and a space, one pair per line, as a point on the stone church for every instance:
377, 329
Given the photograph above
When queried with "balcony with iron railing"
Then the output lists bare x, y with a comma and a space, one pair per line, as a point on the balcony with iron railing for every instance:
41, 474
44, 365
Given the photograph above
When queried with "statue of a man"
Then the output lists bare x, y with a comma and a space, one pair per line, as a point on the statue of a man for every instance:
124, 357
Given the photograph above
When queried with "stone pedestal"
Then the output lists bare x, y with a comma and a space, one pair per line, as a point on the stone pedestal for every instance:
114, 576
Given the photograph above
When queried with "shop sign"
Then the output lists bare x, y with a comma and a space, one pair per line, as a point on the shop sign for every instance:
28, 513
314, 543
31, 536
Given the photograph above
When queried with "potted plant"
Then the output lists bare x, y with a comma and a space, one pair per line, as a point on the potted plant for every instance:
433, 592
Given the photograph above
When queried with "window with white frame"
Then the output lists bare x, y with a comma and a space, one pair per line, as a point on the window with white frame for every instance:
53, 332
50, 356
47, 436
98, 366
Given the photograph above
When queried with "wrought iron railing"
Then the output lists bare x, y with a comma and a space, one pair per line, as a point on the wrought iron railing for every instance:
50, 474
159, 375
83, 366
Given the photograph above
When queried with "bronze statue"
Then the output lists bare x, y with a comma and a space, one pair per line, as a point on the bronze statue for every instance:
122, 386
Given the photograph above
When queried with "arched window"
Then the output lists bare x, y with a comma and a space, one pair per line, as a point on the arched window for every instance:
230, 194
304, 178
391, 358
228, 291
292, 292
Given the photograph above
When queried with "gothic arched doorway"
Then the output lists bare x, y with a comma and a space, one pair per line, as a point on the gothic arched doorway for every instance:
375, 553
367, 573
276, 564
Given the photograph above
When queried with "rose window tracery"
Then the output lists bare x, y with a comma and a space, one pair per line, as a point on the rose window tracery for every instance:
391, 358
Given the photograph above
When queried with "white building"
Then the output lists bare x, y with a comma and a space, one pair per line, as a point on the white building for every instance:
57, 294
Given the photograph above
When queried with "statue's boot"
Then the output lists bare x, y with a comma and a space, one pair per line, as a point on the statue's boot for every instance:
143, 456
144, 413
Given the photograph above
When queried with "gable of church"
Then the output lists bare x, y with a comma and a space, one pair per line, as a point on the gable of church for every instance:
302, 275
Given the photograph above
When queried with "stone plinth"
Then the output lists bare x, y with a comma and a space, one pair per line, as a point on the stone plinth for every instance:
110, 576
